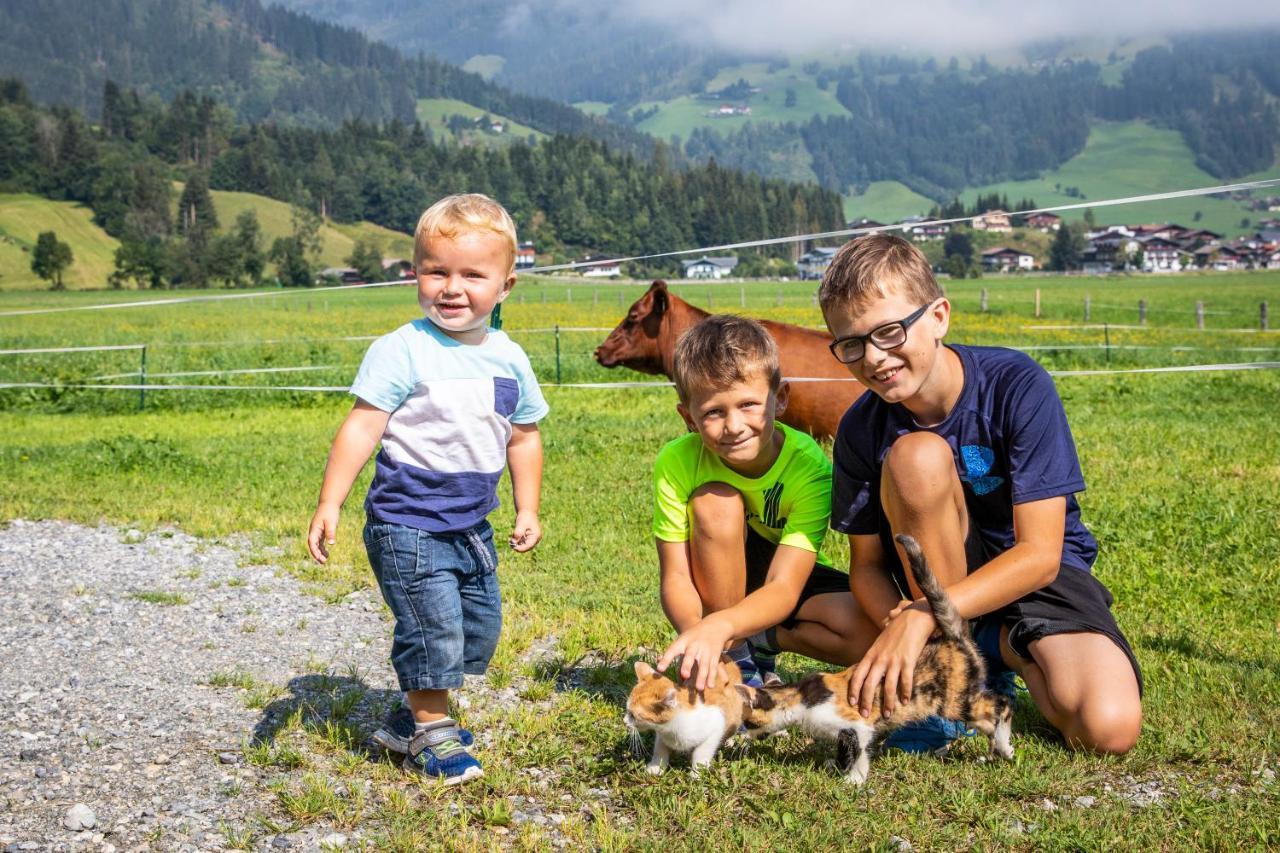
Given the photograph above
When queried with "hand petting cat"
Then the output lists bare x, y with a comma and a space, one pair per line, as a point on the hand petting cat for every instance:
891, 660
699, 648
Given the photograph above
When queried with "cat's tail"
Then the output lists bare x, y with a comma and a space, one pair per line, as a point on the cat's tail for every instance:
944, 612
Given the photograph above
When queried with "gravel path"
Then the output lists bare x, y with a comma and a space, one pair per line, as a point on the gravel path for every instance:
110, 639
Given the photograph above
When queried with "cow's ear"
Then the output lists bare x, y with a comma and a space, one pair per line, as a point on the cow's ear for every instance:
660, 297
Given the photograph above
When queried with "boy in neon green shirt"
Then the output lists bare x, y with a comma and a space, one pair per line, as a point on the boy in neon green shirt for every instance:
741, 507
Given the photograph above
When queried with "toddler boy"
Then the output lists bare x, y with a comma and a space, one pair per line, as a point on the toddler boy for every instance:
451, 400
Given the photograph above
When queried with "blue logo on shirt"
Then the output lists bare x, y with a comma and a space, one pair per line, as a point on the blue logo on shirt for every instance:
977, 462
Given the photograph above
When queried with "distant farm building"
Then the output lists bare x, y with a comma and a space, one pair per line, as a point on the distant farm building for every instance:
1005, 259
714, 268
1045, 222
995, 221
526, 257
396, 268
921, 229
814, 263
342, 275
864, 222
600, 267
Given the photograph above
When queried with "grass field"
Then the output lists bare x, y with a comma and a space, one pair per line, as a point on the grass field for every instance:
1133, 158
678, 116
435, 113
886, 201
22, 219
1184, 496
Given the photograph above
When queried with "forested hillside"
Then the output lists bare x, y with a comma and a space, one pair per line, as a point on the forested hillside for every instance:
568, 194
263, 62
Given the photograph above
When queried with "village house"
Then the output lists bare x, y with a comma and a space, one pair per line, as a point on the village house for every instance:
1160, 254
526, 257
922, 230
995, 221
731, 110
1167, 230
341, 275
394, 269
864, 222
599, 266
1045, 222
712, 268
1005, 259
814, 263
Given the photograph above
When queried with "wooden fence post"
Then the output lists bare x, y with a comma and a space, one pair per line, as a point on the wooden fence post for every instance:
557, 353
1142, 312
142, 381
1262, 316
1037, 303
595, 298
1199, 315
742, 297
1087, 307
983, 301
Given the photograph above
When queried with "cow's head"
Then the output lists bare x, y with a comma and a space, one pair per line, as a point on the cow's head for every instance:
634, 343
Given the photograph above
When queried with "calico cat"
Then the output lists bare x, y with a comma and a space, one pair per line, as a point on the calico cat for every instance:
682, 719
950, 681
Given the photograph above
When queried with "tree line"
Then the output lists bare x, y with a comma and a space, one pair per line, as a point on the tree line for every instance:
568, 194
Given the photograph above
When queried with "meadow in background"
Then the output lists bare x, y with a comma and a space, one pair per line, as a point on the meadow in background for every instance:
1184, 497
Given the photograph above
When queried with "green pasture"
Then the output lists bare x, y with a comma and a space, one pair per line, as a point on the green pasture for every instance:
1134, 158
434, 113
1184, 496
23, 217
886, 201
678, 116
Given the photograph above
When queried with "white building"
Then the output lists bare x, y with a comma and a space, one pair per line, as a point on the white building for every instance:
714, 268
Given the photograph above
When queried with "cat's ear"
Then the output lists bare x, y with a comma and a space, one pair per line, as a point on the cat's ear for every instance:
670, 699
748, 694
643, 670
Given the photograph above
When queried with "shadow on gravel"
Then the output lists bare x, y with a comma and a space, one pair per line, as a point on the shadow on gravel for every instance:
341, 708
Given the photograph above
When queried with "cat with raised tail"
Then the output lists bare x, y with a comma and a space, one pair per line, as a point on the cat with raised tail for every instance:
950, 681
682, 719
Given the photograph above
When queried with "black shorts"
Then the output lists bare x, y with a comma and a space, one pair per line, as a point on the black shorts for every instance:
822, 579
1076, 602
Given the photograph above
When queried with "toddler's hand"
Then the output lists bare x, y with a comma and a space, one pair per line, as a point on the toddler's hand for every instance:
322, 533
527, 532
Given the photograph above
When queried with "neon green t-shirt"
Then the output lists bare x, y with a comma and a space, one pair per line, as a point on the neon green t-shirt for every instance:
790, 504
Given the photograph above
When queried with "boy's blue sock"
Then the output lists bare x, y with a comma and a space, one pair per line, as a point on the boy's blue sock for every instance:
741, 655
1001, 679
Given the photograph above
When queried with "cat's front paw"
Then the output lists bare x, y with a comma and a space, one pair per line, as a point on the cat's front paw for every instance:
655, 769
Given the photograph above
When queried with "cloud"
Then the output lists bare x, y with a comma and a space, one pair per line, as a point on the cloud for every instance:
935, 26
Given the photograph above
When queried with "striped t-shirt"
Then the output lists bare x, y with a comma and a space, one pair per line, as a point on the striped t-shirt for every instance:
452, 406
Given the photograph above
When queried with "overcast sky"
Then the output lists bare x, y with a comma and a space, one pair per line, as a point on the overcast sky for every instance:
937, 26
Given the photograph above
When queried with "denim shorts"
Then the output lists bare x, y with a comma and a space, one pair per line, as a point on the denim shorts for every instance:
442, 589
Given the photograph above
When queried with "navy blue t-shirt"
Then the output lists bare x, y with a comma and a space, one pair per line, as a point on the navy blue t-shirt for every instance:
1009, 435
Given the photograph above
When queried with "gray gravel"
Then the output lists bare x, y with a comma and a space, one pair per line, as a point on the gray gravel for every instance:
109, 723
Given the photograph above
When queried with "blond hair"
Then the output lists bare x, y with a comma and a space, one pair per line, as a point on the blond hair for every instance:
723, 350
461, 214
873, 266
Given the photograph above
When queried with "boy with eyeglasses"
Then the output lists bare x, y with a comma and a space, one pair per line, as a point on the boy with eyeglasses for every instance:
968, 450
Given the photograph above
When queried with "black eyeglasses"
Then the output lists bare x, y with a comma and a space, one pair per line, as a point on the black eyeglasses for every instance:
890, 335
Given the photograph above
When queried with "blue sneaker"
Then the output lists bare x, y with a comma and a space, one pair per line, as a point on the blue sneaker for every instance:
398, 728
437, 752
933, 734
764, 655
750, 672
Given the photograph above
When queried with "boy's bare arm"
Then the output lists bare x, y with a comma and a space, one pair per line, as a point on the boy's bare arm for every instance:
869, 582
1030, 564
524, 458
680, 600
700, 645
352, 446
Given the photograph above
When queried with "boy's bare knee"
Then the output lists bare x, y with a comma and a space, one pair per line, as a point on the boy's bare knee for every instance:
920, 467
717, 510
1107, 728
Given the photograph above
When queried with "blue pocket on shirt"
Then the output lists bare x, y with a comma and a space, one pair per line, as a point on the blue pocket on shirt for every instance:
506, 394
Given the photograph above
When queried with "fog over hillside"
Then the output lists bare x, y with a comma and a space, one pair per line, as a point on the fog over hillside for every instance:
929, 25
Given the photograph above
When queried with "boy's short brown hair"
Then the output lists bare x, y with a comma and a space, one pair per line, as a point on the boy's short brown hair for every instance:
460, 214
873, 266
723, 350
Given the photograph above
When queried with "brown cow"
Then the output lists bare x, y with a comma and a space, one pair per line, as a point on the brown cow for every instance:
646, 338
